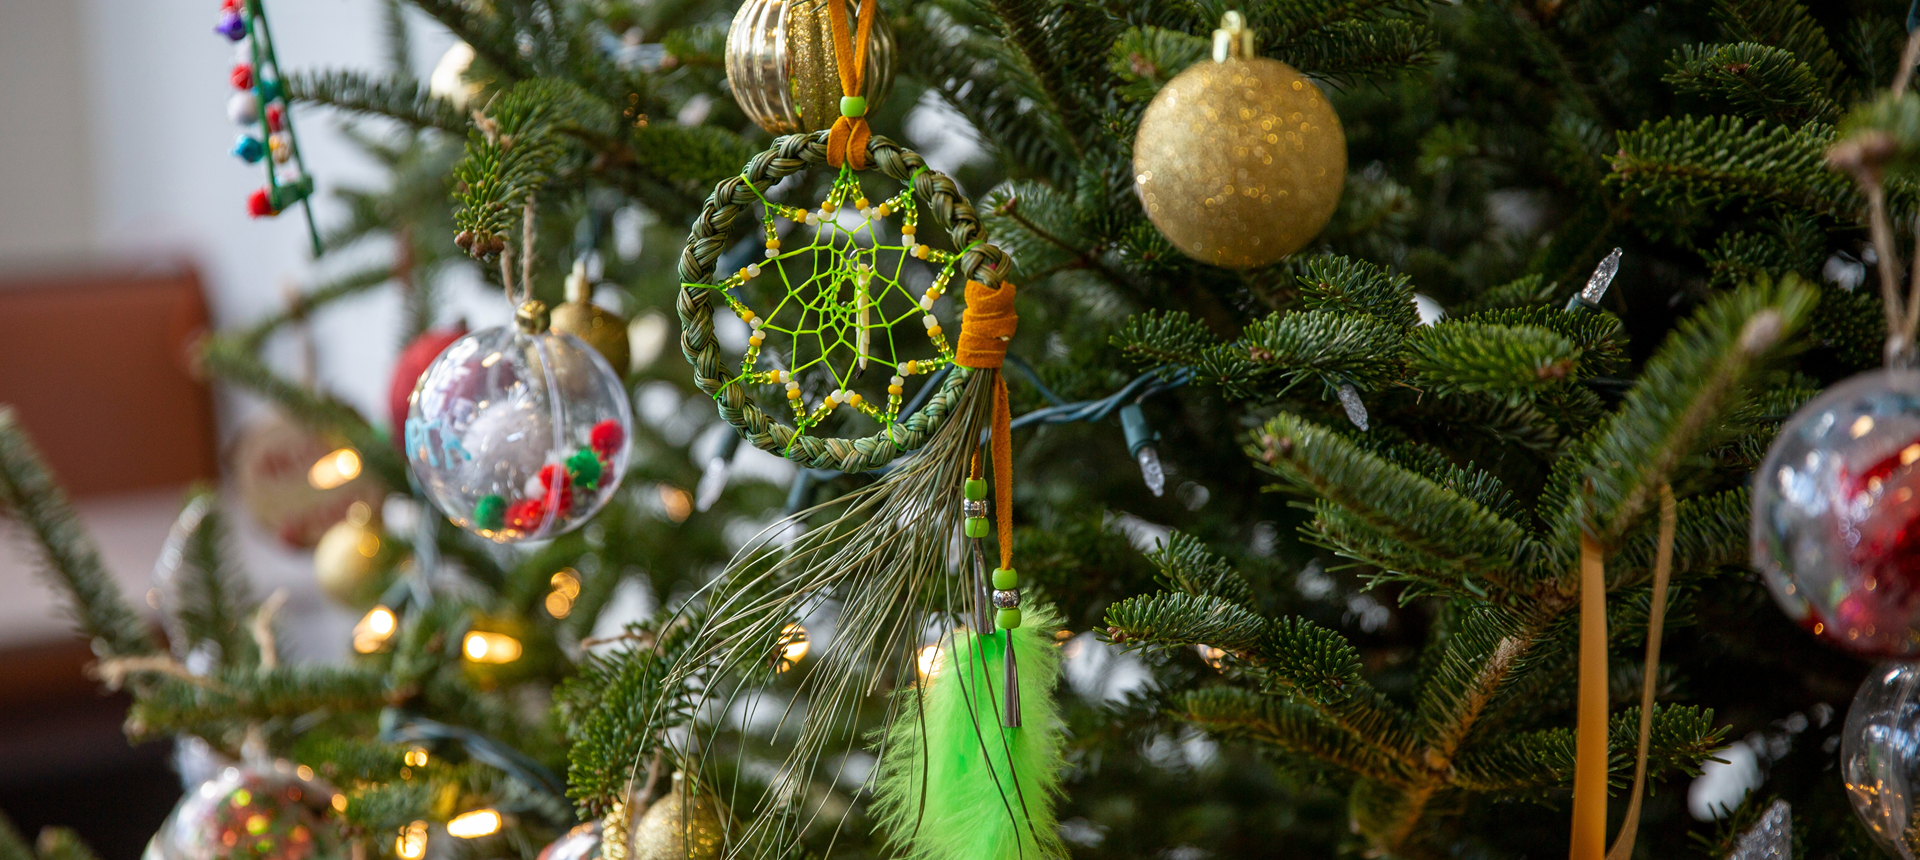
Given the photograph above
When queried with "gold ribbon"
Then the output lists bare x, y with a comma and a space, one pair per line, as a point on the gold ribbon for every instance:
1590, 740
847, 140
985, 326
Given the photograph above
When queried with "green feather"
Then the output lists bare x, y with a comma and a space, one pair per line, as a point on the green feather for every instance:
954, 784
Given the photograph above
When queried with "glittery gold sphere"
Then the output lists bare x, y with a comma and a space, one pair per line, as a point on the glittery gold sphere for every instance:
683, 825
355, 559
602, 329
1239, 162
784, 71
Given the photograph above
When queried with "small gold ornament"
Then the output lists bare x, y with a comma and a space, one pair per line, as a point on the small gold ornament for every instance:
687, 824
355, 559
781, 64
602, 329
1239, 161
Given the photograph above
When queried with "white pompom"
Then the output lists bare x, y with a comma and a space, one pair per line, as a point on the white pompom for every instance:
243, 108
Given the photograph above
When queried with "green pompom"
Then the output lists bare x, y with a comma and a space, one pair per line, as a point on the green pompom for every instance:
1006, 578
490, 512
976, 489
977, 527
1008, 619
584, 467
853, 106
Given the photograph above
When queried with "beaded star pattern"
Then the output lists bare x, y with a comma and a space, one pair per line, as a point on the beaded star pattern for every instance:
843, 316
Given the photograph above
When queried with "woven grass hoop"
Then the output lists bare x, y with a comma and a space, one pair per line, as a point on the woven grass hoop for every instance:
732, 199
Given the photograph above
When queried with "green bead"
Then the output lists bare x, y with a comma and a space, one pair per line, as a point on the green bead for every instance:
490, 512
976, 489
1007, 619
1006, 578
853, 106
976, 527
584, 468
270, 90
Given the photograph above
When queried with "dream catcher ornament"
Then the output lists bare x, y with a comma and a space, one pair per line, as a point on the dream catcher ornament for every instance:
840, 325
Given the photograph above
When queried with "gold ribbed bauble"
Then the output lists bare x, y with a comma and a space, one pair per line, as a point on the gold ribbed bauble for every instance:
1239, 160
355, 559
602, 329
686, 824
781, 65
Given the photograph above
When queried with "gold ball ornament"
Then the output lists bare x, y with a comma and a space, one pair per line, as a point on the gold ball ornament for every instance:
355, 559
686, 824
1239, 160
602, 329
782, 67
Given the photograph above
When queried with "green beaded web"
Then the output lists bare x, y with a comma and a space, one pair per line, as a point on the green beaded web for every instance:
842, 318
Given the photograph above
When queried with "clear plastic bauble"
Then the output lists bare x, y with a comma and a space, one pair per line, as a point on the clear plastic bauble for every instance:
1880, 756
580, 843
1836, 514
519, 436
248, 812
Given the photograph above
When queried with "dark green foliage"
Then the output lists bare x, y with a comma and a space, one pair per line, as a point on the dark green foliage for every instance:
399, 98
214, 599
1754, 80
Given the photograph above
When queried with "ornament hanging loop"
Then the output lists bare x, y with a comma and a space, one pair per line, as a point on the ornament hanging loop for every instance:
847, 140
1233, 40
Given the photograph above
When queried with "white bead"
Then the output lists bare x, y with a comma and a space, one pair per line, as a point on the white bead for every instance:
926, 302
757, 322
753, 270
243, 51
896, 380
929, 321
243, 108
910, 241
784, 377
772, 253
792, 386
825, 216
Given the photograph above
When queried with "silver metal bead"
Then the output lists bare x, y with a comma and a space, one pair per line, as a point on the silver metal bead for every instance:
971, 508
1006, 599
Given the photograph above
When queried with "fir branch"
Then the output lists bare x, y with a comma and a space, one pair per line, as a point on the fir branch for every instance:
1703, 370
68, 558
230, 361
1144, 59
213, 599
1027, 31
1352, 51
1528, 763
1186, 565
399, 97
1729, 161
1289, 729
492, 37
1393, 500
1357, 286
523, 139
1454, 357
1757, 81
1783, 24
12, 846
352, 283
237, 696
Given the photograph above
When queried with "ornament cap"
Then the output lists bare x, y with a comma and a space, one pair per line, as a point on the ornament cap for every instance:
532, 316
1233, 40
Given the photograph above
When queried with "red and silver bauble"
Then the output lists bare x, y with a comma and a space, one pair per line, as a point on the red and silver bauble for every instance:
1836, 514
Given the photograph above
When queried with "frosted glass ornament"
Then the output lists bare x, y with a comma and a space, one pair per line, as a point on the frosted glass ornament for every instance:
519, 433
1880, 756
249, 812
1836, 514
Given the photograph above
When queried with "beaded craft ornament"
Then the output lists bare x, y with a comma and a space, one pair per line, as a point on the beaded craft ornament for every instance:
846, 306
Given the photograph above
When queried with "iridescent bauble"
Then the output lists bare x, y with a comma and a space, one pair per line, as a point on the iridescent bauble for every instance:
1239, 162
249, 812
1836, 520
580, 843
1880, 756
783, 69
519, 434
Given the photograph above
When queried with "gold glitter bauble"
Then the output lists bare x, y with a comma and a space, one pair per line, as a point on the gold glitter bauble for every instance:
782, 69
354, 560
684, 825
1239, 161
599, 327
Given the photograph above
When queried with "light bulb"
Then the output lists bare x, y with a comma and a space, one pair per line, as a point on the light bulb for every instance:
794, 643
412, 841
486, 647
334, 469
475, 824
374, 630
928, 662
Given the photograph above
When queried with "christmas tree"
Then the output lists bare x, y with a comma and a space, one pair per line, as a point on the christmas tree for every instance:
1384, 457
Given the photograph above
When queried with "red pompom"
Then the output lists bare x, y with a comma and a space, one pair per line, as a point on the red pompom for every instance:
606, 438
526, 515
229, 5
413, 361
560, 498
241, 76
259, 205
276, 118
